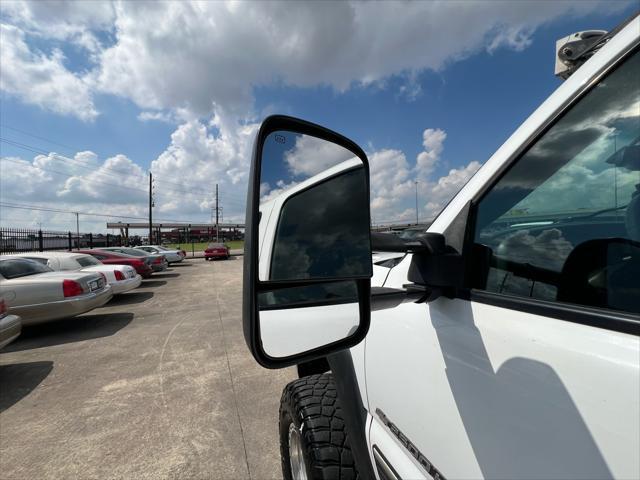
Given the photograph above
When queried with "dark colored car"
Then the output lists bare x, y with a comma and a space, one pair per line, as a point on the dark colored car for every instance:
216, 250
158, 261
143, 265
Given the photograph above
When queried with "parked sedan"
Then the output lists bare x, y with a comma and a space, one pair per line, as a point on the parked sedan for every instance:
143, 266
158, 262
38, 294
10, 325
122, 278
217, 250
172, 256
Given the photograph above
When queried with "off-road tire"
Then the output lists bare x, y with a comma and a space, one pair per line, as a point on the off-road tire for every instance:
312, 403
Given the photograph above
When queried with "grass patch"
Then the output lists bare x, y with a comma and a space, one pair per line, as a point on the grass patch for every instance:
201, 246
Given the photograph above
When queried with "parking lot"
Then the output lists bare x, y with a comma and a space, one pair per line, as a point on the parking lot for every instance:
158, 383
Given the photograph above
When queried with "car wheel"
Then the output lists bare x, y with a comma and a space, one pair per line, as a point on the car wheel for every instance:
313, 438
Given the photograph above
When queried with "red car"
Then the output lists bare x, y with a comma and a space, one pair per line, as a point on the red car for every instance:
141, 264
216, 250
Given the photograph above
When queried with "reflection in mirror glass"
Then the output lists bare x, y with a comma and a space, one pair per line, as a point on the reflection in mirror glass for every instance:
331, 293
305, 230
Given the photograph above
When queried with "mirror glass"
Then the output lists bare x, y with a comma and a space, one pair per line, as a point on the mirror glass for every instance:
314, 221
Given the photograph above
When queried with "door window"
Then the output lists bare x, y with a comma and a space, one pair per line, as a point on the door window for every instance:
563, 224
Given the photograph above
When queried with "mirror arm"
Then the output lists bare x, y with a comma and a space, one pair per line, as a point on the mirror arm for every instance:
383, 298
427, 242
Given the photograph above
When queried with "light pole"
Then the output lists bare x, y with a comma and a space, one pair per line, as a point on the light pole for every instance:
416, 182
150, 209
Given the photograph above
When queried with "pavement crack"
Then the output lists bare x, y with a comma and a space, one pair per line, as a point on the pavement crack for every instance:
164, 348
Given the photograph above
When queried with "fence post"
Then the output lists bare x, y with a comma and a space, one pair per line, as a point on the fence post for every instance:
70, 244
91, 240
40, 241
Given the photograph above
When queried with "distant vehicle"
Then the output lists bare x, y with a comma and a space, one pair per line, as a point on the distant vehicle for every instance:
142, 265
38, 294
122, 278
165, 249
10, 325
217, 250
158, 262
172, 256
182, 251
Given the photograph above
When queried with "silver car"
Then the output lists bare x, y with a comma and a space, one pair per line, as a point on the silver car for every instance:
10, 325
38, 294
122, 278
172, 256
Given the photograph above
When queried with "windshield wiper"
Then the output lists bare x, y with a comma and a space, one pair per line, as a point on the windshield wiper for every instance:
592, 214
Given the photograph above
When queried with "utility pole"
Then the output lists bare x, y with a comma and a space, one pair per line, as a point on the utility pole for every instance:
150, 208
78, 231
416, 182
217, 210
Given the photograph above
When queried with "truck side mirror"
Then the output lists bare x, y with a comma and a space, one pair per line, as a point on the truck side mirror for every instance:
307, 270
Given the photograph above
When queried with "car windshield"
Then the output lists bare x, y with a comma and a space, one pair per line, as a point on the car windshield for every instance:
21, 267
87, 261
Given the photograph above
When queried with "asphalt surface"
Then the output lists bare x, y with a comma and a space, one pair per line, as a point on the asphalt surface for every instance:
156, 384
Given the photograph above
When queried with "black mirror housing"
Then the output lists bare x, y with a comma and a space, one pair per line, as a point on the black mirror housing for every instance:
437, 265
281, 298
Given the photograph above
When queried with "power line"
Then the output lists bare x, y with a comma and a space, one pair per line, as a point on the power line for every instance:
88, 214
68, 175
38, 137
34, 149
94, 169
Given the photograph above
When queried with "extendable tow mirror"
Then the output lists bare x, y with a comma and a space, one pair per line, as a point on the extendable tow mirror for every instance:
307, 270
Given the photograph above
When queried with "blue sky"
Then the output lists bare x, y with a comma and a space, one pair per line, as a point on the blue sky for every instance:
82, 82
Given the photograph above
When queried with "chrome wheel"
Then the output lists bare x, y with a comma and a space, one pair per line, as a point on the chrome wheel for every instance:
296, 456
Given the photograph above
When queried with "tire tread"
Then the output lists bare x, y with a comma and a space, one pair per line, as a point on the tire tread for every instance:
314, 402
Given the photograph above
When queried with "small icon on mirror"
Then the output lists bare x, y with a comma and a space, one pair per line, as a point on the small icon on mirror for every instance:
280, 139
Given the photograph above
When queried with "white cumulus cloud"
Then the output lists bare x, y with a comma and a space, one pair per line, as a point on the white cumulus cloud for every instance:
199, 56
42, 79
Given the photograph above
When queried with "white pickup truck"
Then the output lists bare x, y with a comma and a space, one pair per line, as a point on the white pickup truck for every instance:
505, 343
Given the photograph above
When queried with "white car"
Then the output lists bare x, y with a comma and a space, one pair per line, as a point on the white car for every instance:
122, 278
506, 346
172, 256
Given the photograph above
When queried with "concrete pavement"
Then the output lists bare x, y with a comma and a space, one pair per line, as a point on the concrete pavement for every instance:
157, 384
